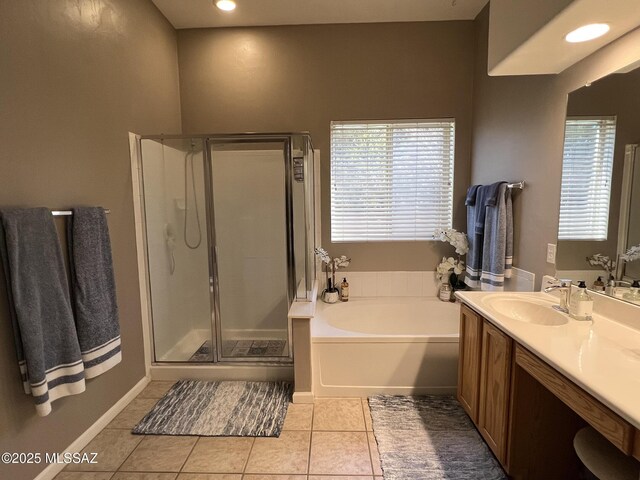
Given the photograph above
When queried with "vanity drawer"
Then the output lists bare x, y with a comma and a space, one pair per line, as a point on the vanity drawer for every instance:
617, 430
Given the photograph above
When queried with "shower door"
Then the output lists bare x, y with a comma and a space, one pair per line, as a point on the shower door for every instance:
175, 219
229, 223
251, 253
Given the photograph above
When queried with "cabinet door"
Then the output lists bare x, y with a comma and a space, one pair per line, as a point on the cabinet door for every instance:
494, 389
469, 361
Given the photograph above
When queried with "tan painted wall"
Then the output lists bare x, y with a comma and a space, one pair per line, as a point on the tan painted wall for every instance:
518, 133
514, 22
76, 76
615, 95
303, 77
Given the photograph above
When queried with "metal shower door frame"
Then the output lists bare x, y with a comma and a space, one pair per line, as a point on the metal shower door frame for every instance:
214, 289
149, 294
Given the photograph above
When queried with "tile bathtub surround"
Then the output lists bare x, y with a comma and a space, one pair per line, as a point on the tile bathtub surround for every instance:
412, 284
387, 284
329, 440
520, 281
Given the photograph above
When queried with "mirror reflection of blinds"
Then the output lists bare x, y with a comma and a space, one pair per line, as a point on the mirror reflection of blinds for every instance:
391, 180
586, 178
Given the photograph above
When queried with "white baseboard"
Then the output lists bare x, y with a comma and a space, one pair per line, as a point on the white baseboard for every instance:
303, 397
83, 440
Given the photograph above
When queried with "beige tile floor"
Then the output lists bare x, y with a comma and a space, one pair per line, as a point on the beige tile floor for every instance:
330, 440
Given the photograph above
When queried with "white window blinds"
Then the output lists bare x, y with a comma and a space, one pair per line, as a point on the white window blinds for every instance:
586, 178
391, 180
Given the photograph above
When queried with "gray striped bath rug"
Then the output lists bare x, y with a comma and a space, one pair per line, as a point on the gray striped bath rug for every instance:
429, 438
219, 409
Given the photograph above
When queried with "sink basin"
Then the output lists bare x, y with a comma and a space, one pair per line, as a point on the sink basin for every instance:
529, 310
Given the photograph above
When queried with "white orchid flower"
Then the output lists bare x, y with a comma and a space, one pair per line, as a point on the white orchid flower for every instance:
456, 239
602, 261
342, 261
323, 255
632, 254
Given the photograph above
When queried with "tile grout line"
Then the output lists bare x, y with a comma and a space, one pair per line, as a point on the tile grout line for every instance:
366, 434
187, 457
313, 412
130, 453
246, 462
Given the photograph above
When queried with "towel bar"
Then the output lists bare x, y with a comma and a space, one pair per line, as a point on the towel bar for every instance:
516, 185
63, 213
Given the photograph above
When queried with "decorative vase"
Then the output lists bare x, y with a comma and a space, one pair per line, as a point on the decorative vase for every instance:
446, 291
456, 281
331, 296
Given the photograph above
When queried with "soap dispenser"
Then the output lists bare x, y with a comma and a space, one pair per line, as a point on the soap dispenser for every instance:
598, 285
581, 304
633, 295
344, 290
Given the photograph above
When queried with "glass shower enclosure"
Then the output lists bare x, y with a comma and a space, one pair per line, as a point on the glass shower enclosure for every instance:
230, 229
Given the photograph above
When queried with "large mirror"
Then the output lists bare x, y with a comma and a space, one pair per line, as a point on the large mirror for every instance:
599, 218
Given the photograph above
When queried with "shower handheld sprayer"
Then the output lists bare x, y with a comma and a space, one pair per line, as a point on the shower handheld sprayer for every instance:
170, 239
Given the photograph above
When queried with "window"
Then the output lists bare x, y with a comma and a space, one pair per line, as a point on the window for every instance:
391, 180
586, 178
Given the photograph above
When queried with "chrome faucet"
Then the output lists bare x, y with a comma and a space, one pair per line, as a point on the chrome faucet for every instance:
564, 287
613, 285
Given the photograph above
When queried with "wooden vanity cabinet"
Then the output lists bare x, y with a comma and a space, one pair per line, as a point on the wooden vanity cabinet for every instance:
469, 361
484, 371
525, 409
495, 381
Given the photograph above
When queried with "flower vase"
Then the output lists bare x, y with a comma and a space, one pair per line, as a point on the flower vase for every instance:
456, 281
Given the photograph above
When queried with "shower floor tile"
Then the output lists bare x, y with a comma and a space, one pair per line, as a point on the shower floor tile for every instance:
254, 348
242, 348
203, 354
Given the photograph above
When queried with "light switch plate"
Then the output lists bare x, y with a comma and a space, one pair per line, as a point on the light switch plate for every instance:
551, 253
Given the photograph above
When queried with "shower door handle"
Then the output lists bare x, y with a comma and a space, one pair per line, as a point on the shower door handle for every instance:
214, 269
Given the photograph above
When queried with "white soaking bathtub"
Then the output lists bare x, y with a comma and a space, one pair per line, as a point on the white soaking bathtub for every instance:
393, 345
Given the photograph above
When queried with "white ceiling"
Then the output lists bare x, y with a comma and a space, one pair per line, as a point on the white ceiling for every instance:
202, 13
546, 51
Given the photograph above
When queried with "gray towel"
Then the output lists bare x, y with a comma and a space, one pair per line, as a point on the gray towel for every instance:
508, 259
94, 289
44, 330
474, 255
497, 242
471, 195
480, 199
486, 196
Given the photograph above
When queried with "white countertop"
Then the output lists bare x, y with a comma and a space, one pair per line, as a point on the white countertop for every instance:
601, 356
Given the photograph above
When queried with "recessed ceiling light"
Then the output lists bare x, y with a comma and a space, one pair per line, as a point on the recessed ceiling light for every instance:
226, 5
587, 32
